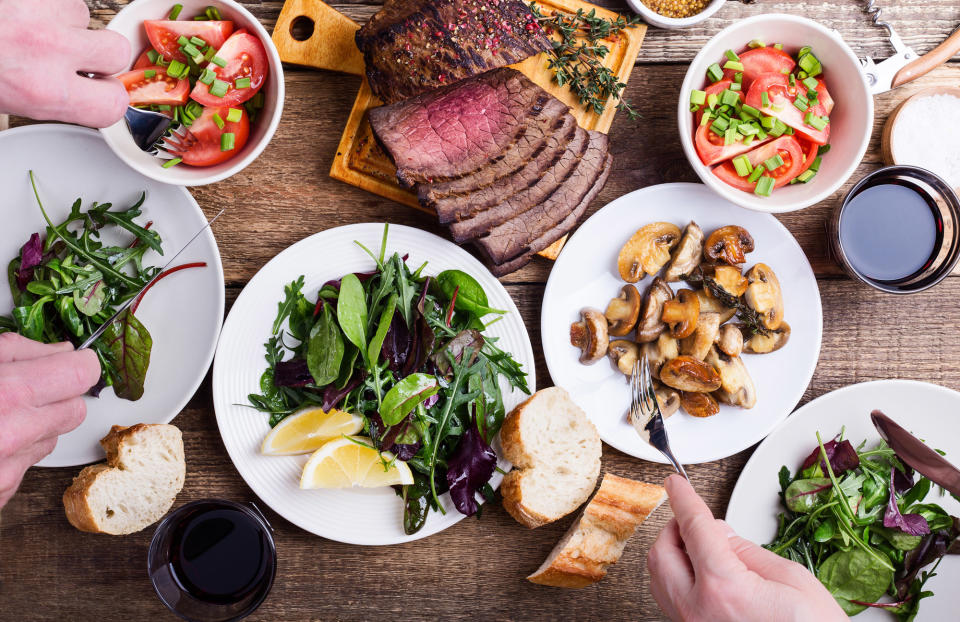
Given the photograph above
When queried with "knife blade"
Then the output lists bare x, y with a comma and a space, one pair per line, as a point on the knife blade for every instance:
916, 454
126, 305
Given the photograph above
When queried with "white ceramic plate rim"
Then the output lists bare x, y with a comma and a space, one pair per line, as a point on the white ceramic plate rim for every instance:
555, 349
222, 402
213, 261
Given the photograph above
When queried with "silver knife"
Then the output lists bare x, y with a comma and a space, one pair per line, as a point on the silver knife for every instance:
126, 305
916, 454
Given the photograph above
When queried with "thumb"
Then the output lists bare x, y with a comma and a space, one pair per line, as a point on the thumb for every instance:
769, 565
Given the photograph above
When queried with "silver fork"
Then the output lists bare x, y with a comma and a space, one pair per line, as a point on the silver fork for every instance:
149, 130
645, 413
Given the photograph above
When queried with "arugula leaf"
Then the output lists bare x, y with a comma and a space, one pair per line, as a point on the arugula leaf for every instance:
291, 294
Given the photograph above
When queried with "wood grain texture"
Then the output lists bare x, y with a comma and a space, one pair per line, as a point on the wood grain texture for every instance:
49, 571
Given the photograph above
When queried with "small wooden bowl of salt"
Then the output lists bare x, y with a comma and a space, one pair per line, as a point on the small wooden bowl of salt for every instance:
923, 131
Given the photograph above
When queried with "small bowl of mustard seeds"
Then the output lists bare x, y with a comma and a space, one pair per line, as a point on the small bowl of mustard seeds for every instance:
675, 13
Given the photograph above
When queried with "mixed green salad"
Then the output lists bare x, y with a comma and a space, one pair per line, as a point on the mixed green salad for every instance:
66, 282
858, 518
408, 353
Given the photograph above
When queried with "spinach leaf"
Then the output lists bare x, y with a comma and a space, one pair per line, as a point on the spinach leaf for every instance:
127, 344
325, 349
373, 354
347, 364
404, 396
352, 312
854, 575
470, 295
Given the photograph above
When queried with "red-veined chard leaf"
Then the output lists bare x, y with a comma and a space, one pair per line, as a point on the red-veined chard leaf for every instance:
128, 343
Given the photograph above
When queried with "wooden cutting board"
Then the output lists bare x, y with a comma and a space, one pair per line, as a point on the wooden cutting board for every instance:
359, 160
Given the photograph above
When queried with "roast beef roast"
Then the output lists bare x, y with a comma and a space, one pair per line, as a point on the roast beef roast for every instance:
502, 162
414, 46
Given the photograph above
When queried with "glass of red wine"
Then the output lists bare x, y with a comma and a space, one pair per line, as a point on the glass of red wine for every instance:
897, 230
213, 560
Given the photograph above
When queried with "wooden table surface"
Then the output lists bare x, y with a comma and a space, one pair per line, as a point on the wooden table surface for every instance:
476, 569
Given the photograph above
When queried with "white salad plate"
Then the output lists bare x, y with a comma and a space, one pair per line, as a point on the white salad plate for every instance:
354, 516
585, 275
183, 312
929, 411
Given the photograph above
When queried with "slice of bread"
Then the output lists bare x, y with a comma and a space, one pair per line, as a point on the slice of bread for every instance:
136, 486
555, 451
596, 540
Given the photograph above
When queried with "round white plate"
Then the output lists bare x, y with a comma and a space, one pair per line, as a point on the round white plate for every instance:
586, 275
929, 411
357, 516
183, 312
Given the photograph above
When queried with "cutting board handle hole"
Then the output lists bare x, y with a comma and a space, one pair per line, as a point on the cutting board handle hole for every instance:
301, 28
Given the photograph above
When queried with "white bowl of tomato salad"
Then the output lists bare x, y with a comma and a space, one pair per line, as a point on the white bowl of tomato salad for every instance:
212, 66
774, 113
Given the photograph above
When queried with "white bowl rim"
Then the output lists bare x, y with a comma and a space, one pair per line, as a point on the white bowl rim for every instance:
737, 196
662, 21
157, 173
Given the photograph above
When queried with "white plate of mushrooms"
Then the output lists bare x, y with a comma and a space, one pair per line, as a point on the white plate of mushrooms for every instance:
722, 300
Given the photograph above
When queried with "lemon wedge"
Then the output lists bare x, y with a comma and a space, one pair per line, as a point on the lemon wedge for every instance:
352, 461
307, 430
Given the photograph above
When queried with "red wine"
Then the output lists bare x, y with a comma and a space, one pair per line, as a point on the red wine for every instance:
220, 554
891, 230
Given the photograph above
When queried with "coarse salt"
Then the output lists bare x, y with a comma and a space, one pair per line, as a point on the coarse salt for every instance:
927, 135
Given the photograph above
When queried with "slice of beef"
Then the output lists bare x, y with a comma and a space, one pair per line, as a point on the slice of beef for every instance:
542, 143
413, 46
477, 196
555, 233
514, 237
453, 131
538, 189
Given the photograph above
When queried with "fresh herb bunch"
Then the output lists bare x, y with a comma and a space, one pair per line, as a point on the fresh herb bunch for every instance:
856, 518
408, 353
578, 56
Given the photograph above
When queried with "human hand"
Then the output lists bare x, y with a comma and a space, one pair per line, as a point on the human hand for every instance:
43, 44
701, 570
40, 398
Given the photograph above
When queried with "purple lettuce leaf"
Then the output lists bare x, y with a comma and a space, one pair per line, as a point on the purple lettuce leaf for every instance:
401, 439
466, 340
398, 343
333, 396
842, 456
469, 468
423, 336
292, 373
931, 548
31, 256
903, 480
913, 524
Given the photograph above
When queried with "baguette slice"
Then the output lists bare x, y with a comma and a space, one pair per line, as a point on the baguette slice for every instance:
136, 486
555, 451
597, 539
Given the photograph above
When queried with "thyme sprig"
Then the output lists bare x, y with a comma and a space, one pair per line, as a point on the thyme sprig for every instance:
578, 56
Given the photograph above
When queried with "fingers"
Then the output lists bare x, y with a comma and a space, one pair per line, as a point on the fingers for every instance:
51, 379
13, 347
769, 565
72, 13
668, 562
704, 538
95, 102
102, 52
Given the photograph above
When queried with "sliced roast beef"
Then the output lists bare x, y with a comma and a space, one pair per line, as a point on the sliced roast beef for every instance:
552, 235
515, 236
455, 130
540, 146
413, 46
522, 193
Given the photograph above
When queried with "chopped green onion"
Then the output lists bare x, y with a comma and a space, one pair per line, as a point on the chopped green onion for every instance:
234, 115
757, 172
789, 131
190, 50
742, 164
733, 124
773, 163
731, 55
733, 65
258, 100
197, 41
698, 98
779, 46
816, 164
175, 11
816, 121
226, 141
767, 122
177, 69
756, 43
149, 73
823, 149
171, 163
748, 129
801, 103
163, 107
209, 53
761, 135
738, 77
785, 71
804, 51
176, 114
748, 140
714, 73
711, 100
207, 77
729, 98
792, 80
216, 60
810, 64
806, 176
219, 88
811, 83
182, 41
242, 83
218, 120
764, 99
764, 186
750, 110
735, 86
152, 56
213, 14
731, 136
720, 125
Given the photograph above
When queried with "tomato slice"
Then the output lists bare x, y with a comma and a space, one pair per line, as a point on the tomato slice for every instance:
143, 61
202, 145
711, 149
759, 61
158, 90
714, 89
823, 96
246, 58
781, 96
810, 150
163, 34
789, 149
